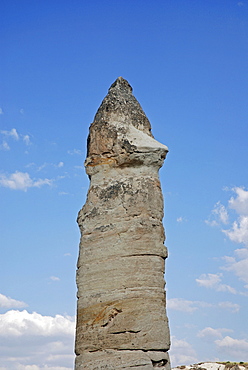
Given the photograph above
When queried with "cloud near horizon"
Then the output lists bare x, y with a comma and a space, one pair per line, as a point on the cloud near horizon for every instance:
182, 352
237, 348
209, 334
38, 342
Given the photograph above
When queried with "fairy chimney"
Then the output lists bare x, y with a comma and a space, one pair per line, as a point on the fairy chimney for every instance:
121, 314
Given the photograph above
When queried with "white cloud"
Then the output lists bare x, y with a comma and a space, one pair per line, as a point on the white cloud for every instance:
234, 307
221, 212
242, 252
213, 281
239, 267
1, 111
237, 348
181, 352
180, 304
44, 165
239, 231
4, 146
26, 139
209, 334
22, 181
75, 151
209, 280
54, 278
21, 323
12, 133
30, 341
60, 164
7, 302
30, 165
181, 219
212, 223
240, 203
79, 167
218, 215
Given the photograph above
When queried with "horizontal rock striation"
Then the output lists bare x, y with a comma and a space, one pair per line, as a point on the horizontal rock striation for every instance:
121, 317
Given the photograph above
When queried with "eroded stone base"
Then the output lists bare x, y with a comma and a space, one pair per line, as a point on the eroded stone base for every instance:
113, 359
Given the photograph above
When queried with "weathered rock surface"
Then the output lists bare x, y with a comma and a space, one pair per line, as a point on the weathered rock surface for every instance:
121, 317
214, 366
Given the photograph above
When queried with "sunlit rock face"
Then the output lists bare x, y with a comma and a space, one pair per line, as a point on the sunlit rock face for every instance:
121, 316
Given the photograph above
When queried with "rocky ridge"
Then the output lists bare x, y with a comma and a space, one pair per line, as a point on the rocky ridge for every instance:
215, 366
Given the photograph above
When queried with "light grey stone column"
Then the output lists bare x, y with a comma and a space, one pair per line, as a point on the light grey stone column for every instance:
121, 313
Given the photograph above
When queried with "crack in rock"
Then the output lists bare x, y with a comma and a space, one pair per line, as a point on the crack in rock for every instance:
126, 331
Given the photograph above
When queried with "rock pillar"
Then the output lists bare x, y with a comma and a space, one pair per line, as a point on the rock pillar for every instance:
121, 316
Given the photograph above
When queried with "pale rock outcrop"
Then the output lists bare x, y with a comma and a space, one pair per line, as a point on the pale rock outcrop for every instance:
121, 316
214, 366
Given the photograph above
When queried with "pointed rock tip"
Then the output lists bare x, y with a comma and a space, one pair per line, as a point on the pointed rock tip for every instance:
121, 83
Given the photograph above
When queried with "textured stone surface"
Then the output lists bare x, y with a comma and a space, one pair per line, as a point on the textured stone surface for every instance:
214, 366
121, 317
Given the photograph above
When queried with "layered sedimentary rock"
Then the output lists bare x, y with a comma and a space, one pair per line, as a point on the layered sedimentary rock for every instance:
121, 316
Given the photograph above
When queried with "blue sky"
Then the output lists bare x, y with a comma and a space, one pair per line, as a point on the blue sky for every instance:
187, 63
